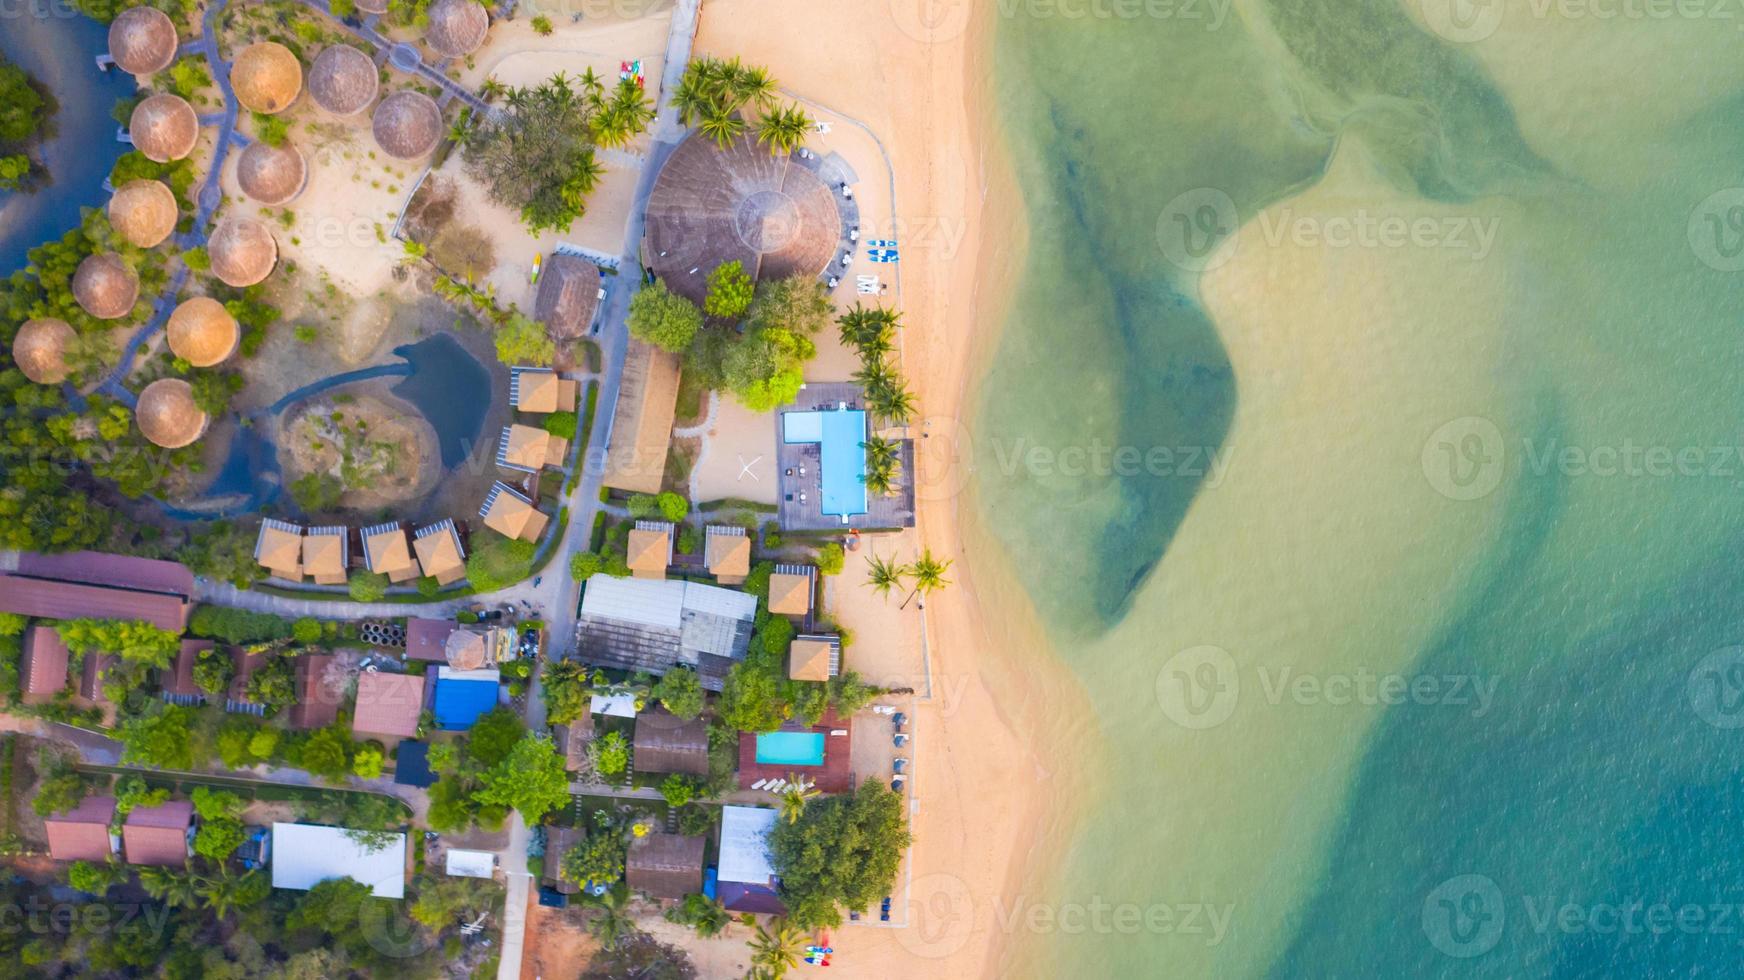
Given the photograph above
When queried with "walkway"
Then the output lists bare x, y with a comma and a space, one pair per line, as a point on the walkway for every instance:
405, 58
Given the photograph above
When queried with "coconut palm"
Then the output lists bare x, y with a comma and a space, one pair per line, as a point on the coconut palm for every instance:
462, 127
892, 401
783, 130
627, 115
611, 923
879, 450
873, 374
754, 84
228, 891
174, 888
490, 89
583, 179
722, 125
691, 99
591, 86
859, 326
881, 476
929, 574
778, 947
793, 801
883, 575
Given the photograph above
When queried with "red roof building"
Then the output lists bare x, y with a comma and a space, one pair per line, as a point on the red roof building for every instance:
318, 697
43, 672
158, 834
388, 705
82, 833
426, 639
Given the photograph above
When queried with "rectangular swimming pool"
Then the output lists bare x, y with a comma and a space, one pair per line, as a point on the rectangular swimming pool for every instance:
839, 433
791, 748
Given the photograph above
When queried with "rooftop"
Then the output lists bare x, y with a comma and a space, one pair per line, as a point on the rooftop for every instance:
343, 80
790, 590
427, 639
407, 125
542, 390
105, 287
279, 549
47, 599
202, 332
656, 624
44, 668
40, 350
143, 40
267, 77
164, 128
388, 551
663, 743
158, 834
511, 514
144, 211
304, 855
744, 844
168, 414
327, 554
440, 552
665, 865
641, 433
568, 295
388, 704
650, 549
82, 833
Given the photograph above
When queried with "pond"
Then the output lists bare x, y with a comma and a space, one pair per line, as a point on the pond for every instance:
59, 48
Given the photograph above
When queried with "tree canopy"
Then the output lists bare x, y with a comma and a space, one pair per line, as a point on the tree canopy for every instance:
663, 318
843, 851
531, 779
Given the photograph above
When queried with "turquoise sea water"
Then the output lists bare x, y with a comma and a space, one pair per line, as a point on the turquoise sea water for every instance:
1504, 477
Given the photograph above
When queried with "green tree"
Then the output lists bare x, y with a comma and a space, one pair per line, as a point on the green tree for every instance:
611, 753
367, 586
531, 780
21, 105
566, 691
777, 947
218, 839
677, 789
536, 155
306, 630
326, 753
599, 858
830, 558
495, 735
673, 507
663, 318
843, 851
730, 289
680, 690
929, 574
524, 341
131, 640
542, 25
95, 879
795, 798
367, 763
160, 739
611, 922
783, 130
584, 565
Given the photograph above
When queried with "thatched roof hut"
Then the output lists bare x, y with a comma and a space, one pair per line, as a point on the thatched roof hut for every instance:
144, 211
407, 125
343, 80
243, 251
105, 287
271, 174
267, 77
457, 27
40, 350
143, 40
202, 332
164, 128
711, 206
168, 415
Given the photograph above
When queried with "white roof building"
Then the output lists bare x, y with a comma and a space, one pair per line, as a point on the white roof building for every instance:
304, 855
745, 845
471, 864
613, 705
657, 624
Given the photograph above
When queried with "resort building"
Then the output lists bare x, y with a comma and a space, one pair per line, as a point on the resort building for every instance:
387, 551
164, 128
82, 833
665, 865
271, 175
460, 863
641, 431
512, 515
320, 689
790, 590
89, 584
427, 639
144, 211
814, 657
243, 665
161, 835
462, 695
202, 332
343, 80
655, 625
143, 41
541, 391
412, 765
571, 741
176, 684
569, 296
279, 549
304, 855
327, 555
745, 879
105, 287
478, 647
650, 549
168, 415
388, 705
821, 465
727, 553
93, 671
779, 216
663, 743
407, 125
522, 447
267, 77
43, 670
243, 251
457, 27
440, 552
558, 842
40, 350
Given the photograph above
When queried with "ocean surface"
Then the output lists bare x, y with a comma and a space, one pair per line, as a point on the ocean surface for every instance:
1372, 389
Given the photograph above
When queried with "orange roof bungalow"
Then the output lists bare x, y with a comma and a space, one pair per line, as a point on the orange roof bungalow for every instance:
387, 551
814, 657
530, 450
650, 549
279, 549
512, 515
44, 669
641, 434
327, 555
440, 553
318, 700
159, 835
388, 705
790, 590
82, 833
727, 552
542, 391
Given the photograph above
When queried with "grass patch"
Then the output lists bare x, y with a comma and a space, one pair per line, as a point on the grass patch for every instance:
736, 503
690, 394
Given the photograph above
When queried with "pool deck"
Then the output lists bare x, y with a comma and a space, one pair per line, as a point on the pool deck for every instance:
834, 776
895, 511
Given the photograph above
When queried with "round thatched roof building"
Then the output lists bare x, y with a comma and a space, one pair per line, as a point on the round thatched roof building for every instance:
144, 212
164, 128
40, 349
143, 40
457, 27
202, 332
271, 174
243, 251
105, 286
167, 414
711, 206
343, 80
267, 77
465, 649
407, 125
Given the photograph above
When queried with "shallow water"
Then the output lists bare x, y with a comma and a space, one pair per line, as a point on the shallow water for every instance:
1391, 485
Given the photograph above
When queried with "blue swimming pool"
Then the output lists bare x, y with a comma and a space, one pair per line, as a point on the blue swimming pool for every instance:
791, 748
839, 433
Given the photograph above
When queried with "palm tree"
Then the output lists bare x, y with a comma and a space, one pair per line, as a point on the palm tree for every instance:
691, 100
584, 178
883, 575
793, 801
929, 575
175, 889
712, 919
591, 86
491, 89
754, 84
874, 373
777, 947
879, 450
229, 891
881, 476
892, 402
783, 130
612, 923
722, 125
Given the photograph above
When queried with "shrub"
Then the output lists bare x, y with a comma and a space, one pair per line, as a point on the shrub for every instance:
368, 586
672, 506
830, 558
678, 790
583, 565
306, 630
560, 424
428, 587
611, 753
542, 25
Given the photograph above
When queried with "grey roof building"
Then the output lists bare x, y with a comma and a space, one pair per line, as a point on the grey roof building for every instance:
656, 624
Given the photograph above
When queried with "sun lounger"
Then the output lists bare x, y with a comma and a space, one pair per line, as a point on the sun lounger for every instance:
759, 784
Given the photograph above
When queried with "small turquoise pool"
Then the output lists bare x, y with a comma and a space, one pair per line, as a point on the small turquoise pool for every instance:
841, 434
791, 748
